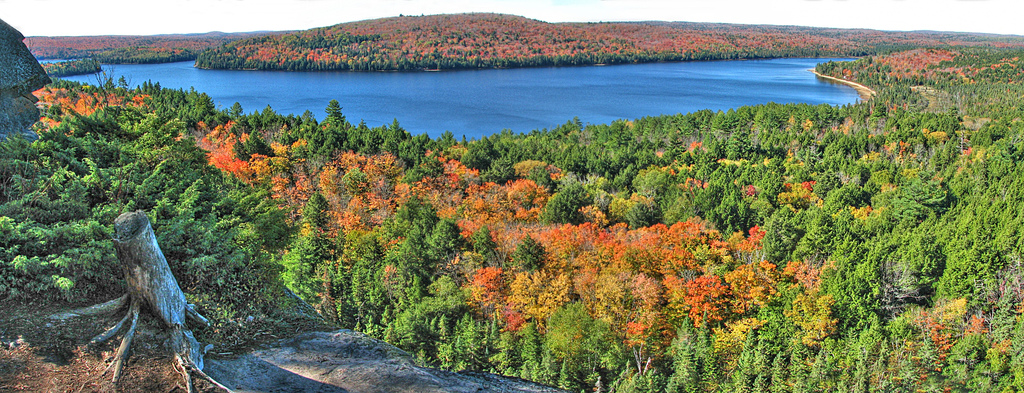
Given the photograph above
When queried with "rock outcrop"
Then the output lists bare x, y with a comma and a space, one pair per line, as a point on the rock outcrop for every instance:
20, 75
347, 361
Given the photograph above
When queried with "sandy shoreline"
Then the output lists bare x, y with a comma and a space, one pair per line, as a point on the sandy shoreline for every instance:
864, 91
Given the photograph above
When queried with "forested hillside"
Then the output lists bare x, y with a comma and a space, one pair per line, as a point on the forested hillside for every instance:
874, 246
71, 67
495, 40
130, 49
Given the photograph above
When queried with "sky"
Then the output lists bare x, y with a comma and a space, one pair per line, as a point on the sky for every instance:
144, 17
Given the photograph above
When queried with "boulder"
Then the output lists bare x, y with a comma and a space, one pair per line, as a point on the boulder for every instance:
346, 361
20, 75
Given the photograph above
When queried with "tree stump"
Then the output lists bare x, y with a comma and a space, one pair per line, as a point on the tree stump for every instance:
153, 288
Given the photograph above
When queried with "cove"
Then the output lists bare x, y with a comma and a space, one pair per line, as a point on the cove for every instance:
477, 103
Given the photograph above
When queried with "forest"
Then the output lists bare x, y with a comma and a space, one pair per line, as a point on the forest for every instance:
129, 49
71, 67
469, 41
875, 246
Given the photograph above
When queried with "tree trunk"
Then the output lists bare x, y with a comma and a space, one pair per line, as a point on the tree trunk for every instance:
152, 287
146, 271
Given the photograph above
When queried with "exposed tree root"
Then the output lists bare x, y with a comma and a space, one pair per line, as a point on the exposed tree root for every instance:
109, 333
126, 344
94, 310
187, 371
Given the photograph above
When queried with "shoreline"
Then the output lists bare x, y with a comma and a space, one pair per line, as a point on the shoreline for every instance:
864, 91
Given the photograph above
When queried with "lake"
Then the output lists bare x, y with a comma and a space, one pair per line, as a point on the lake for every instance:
476, 103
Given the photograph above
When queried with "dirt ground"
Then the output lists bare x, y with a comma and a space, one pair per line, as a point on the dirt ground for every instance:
39, 354
42, 354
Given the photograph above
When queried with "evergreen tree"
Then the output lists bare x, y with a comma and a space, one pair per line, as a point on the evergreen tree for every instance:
686, 367
529, 254
308, 263
445, 241
564, 207
334, 112
483, 243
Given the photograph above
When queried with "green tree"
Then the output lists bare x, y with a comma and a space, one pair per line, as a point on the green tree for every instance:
564, 207
445, 240
529, 254
334, 112
581, 343
306, 265
686, 367
643, 214
483, 242
236, 110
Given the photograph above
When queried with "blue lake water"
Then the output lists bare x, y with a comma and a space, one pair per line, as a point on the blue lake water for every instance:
475, 103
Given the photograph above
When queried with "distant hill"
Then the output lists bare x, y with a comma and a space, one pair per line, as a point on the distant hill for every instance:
71, 67
123, 49
496, 41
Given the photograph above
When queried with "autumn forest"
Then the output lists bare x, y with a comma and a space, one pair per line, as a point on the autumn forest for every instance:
876, 246
504, 41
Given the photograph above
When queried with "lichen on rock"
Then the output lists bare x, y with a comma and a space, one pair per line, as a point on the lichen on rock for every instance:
20, 75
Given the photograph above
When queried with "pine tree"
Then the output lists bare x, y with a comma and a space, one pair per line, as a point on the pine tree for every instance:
311, 256
334, 112
529, 254
780, 375
445, 241
483, 244
686, 368
469, 345
799, 370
